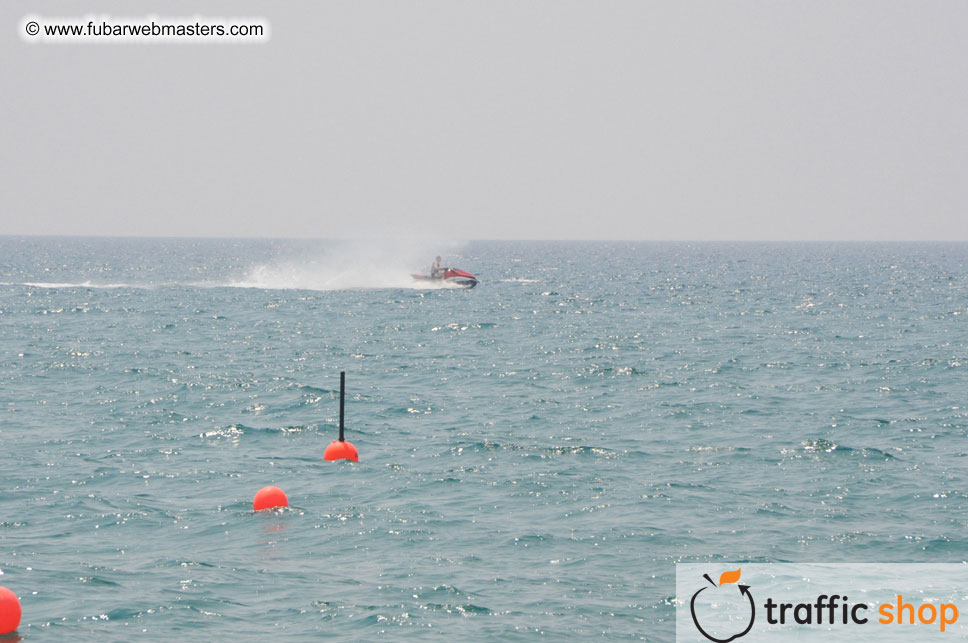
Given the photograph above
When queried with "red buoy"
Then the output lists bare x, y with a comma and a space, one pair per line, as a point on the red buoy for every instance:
269, 498
9, 611
341, 449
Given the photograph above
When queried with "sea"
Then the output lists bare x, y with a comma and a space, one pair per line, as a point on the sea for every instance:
536, 454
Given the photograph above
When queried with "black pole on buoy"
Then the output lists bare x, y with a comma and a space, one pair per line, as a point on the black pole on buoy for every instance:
341, 449
342, 402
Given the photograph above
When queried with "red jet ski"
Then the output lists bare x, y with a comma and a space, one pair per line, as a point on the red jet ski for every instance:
450, 276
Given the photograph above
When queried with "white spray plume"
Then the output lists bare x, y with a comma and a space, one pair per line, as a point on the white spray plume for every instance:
344, 265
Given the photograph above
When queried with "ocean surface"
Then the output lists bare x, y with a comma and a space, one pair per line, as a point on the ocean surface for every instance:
536, 453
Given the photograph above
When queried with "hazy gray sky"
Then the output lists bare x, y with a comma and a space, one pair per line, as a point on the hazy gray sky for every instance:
497, 119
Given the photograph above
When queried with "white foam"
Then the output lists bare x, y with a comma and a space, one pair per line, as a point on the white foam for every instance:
83, 284
268, 277
348, 266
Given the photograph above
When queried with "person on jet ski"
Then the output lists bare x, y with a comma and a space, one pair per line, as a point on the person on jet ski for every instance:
436, 271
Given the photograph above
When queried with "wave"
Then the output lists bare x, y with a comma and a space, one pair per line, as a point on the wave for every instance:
54, 285
306, 277
348, 265
261, 279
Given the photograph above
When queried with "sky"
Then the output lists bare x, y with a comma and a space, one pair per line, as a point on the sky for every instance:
497, 119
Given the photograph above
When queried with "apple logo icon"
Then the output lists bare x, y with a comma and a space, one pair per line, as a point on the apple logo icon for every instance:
726, 604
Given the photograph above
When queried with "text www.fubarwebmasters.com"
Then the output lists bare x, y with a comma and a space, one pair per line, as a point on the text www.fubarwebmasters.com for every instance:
150, 29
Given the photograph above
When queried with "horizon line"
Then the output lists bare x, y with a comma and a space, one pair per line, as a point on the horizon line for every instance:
467, 240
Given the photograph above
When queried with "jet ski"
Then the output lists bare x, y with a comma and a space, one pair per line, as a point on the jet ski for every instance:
450, 276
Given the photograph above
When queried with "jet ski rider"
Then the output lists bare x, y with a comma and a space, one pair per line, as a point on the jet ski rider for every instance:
436, 271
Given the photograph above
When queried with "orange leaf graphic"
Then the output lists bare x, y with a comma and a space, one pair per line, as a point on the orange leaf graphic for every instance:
729, 577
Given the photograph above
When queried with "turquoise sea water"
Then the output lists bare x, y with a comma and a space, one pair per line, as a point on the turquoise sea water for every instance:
536, 454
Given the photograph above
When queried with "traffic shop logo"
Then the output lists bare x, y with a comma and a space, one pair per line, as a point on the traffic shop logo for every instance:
726, 599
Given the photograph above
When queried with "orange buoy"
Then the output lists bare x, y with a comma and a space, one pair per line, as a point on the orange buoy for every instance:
341, 449
9, 611
269, 498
